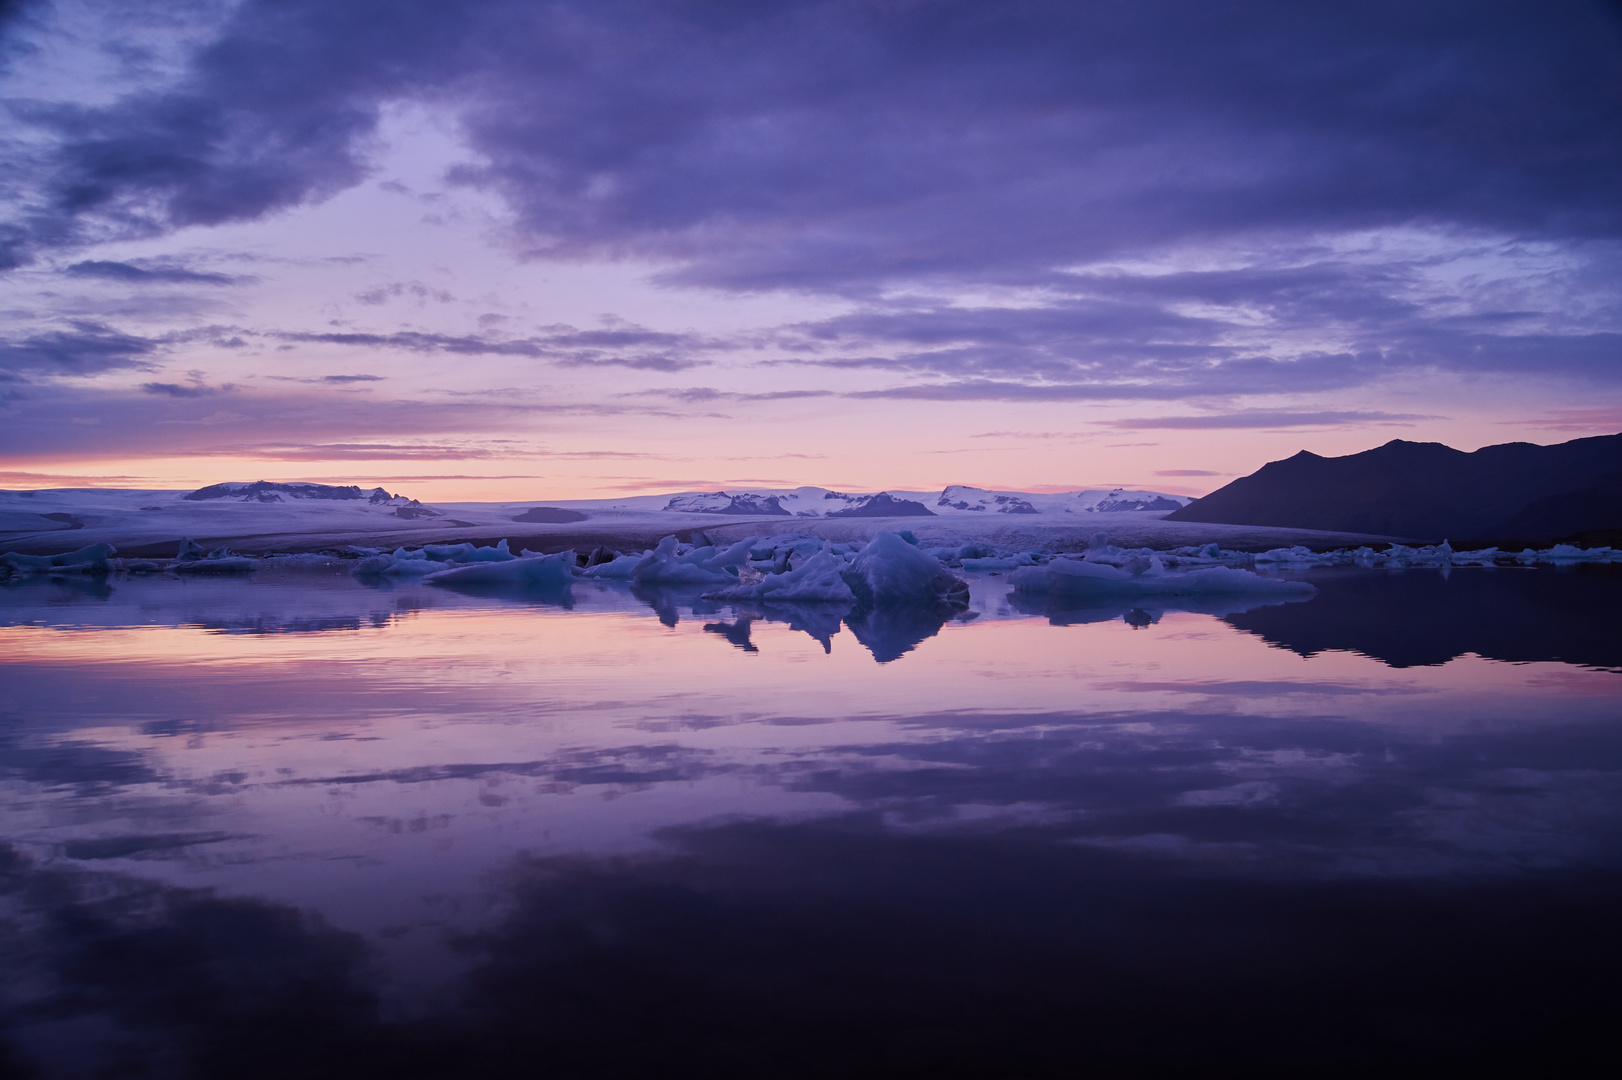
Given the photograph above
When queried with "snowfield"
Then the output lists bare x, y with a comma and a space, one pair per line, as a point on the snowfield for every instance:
263, 518
879, 551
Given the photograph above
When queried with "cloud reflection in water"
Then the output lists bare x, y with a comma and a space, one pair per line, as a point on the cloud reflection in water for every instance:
594, 838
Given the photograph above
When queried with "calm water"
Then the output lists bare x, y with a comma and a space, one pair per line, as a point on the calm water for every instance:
300, 826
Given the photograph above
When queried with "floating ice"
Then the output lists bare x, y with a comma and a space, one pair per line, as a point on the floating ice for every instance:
217, 564
1569, 553
554, 570
668, 564
891, 572
619, 567
466, 553
1297, 555
817, 579
1074, 577
86, 559
499, 553
304, 561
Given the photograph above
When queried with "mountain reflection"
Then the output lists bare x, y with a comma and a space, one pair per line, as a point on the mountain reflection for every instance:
1062, 610
1514, 614
313, 828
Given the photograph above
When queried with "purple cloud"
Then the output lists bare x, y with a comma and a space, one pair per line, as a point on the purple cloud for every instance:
139, 274
1262, 418
84, 348
821, 145
901, 155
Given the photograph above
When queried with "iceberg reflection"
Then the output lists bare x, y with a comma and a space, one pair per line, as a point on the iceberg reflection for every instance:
496, 829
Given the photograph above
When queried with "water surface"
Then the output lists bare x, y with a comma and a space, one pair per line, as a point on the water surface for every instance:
296, 824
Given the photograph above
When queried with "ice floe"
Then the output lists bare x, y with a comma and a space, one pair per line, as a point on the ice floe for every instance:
1080, 577
890, 572
90, 559
530, 569
819, 579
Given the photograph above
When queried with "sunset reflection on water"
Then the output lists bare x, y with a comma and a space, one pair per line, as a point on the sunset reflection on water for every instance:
390, 760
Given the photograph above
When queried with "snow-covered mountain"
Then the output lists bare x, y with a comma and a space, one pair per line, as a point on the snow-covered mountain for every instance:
970, 500
815, 502
267, 491
720, 502
274, 515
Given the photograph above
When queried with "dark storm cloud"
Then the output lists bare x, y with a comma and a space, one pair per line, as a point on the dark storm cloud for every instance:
819, 144
269, 115
855, 148
825, 144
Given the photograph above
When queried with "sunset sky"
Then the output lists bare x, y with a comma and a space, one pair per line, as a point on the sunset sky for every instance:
525, 249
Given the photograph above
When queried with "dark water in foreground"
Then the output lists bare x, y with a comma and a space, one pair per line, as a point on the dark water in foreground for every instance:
302, 827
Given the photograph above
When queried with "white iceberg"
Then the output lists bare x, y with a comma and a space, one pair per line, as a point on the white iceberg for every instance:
817, 579
889, 572
668, 564
466, 553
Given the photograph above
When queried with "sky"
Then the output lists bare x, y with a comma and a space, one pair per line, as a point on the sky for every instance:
522, 249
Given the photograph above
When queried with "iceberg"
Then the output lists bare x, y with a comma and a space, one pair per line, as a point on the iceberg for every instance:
1072, 577
544, 570
817, 579
466, 553
667, 564
621, 566
412, 568
1298, 555
1570, 553
890, 572
217, 564
92, 559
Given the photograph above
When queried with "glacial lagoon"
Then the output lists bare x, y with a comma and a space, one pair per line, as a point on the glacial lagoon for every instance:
302, 824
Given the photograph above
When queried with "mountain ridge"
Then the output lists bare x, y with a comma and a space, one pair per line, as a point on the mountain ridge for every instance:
1428, 490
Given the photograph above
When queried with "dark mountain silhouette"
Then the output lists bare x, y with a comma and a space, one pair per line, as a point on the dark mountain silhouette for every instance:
1512, 491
